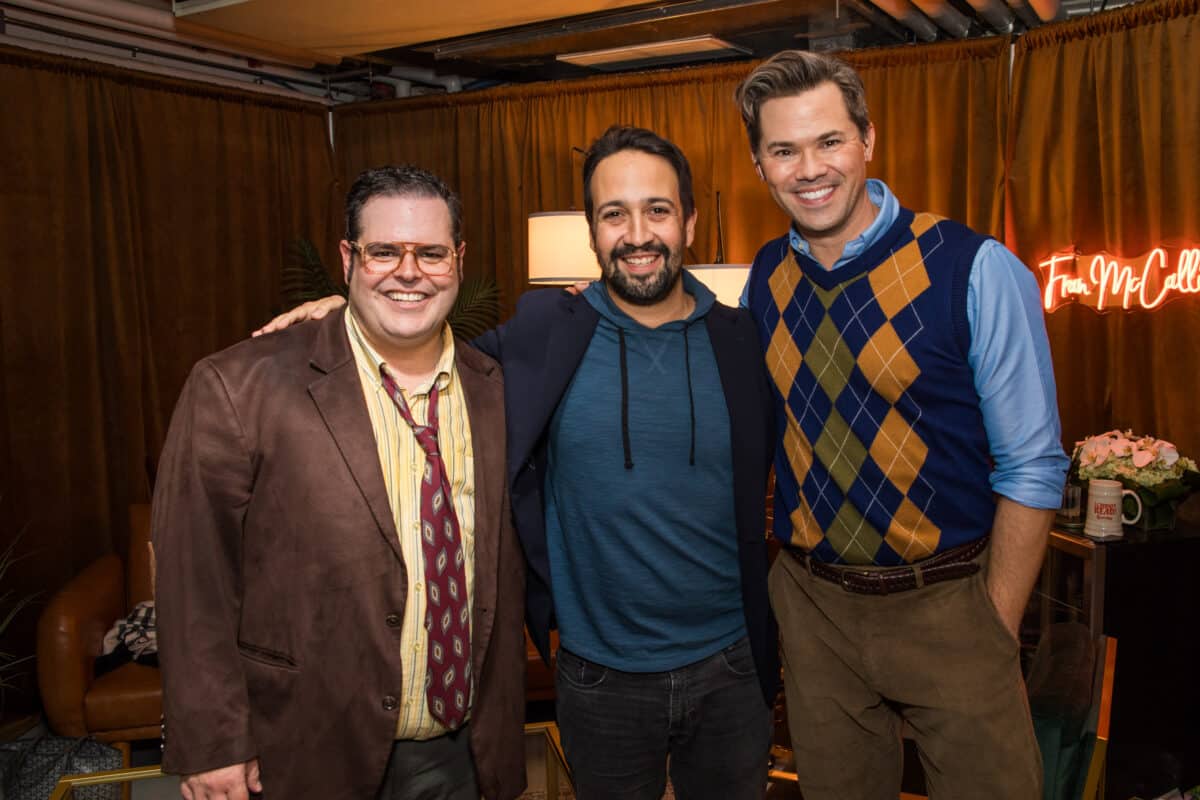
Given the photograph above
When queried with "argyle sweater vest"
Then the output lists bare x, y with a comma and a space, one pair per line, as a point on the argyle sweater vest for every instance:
883, 458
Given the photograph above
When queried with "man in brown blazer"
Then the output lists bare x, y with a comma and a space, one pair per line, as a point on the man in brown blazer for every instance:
330, 626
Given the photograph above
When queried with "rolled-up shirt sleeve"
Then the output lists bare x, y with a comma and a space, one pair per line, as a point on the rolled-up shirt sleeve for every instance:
1014, 376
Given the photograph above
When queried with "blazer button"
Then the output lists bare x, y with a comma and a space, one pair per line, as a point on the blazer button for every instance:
390, 703
394, 620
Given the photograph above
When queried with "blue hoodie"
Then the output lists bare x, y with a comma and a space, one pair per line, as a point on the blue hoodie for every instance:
639, 496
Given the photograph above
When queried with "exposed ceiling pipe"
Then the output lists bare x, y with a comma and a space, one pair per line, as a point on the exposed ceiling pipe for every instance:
910, 17
421, 75
1048, 10
402, 88
118, 11
1024, 13
161, 47
872, 15
994, 13
947, 17
148, 55
158, 23
29, 42
452, 83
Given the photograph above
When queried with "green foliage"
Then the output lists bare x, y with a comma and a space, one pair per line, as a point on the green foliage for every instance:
9, 608
477, 308
304, 277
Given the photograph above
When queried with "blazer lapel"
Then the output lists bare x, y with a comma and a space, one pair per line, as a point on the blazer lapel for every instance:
484, 394
728, 334
554, 355
338, 395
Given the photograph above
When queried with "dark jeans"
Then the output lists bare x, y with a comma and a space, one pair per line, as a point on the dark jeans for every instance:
618, 728
435, 769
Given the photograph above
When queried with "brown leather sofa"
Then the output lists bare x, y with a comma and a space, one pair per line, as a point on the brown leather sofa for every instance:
126, 704
120, 706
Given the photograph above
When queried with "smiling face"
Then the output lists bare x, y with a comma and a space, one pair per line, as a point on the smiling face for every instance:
639, 231
401, 312
814, 159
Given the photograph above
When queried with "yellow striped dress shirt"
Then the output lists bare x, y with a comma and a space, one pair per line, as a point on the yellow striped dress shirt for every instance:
403, 462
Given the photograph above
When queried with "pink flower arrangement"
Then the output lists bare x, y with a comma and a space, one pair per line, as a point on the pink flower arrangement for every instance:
1144, 460
1151, 467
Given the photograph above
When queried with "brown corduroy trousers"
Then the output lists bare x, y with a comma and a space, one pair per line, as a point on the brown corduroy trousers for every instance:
935, 662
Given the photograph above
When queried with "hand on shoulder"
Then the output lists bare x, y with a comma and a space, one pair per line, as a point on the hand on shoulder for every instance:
313, 309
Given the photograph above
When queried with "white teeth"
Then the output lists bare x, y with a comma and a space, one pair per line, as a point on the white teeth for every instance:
816, 194
411, 297
639, 261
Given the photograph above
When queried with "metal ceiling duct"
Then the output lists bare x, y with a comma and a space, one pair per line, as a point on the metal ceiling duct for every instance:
874, 17
947, 17
995, 14
910, 17
159, 24
1024, 13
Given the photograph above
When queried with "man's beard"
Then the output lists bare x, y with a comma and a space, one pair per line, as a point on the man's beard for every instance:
644, 290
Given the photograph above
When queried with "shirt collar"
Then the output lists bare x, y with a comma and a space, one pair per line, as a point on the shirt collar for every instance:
370, 362
889, 208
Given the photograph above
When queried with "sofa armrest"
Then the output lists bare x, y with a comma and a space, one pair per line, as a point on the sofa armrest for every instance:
71, 635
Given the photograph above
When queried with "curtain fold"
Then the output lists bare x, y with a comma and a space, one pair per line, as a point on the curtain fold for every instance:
1104, 120
515, 150
143, 225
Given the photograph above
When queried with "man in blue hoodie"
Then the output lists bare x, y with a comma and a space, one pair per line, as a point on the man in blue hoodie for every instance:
640, 431
639, 423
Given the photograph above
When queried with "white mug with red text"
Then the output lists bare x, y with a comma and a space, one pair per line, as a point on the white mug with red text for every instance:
1104, 517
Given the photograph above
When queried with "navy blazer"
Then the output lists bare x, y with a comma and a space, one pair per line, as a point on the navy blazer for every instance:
539, 350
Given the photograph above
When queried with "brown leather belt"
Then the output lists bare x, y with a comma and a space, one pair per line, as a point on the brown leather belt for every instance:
957, 562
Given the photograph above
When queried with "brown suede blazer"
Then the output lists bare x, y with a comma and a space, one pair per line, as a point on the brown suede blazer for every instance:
280, 583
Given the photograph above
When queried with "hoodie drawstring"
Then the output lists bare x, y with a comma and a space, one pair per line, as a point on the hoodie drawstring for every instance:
624, 402
687, 364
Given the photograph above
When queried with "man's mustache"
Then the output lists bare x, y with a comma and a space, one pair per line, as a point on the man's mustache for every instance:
621, 251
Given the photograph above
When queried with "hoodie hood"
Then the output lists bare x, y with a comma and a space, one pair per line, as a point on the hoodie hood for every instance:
598, 296
629, 328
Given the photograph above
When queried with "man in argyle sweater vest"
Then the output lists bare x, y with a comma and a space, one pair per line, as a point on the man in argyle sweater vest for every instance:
918, 459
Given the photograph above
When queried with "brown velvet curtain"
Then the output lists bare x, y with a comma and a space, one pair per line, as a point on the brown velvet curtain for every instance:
939, 114
512, 151
1103, 130
143, 225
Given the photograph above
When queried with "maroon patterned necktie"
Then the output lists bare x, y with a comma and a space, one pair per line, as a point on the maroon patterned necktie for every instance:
447, 617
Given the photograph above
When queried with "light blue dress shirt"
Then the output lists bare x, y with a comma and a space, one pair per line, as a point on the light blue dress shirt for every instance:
1010, 356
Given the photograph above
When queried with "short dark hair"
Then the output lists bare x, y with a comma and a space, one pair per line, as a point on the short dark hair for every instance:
625, 137
792, 72
402, 181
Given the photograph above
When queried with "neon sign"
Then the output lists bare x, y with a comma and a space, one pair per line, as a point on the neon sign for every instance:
1105, 282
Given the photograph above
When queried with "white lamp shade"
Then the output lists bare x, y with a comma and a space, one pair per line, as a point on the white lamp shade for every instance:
560, 250
725, 280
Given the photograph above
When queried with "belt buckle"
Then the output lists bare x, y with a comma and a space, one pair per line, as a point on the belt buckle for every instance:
847, 572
